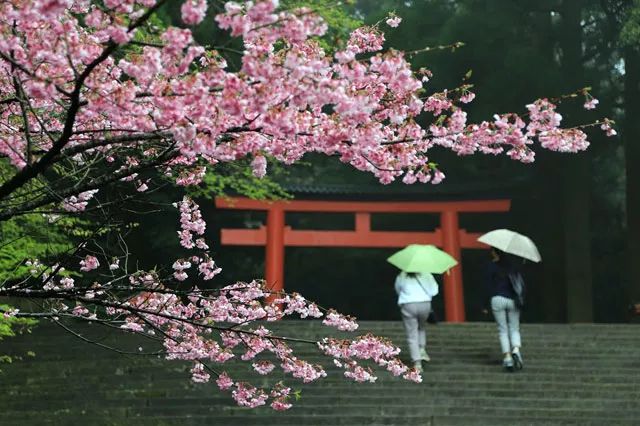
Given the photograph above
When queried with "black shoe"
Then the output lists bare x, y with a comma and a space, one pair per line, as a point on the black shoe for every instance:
517, 361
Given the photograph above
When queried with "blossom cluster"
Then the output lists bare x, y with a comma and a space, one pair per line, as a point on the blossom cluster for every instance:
189, 324
191, 223
288, 98
78, 203
348, 353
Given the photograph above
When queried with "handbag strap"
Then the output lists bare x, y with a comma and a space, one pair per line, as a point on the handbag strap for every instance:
422, 286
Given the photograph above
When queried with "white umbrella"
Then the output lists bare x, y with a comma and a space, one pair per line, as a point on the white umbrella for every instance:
511, 242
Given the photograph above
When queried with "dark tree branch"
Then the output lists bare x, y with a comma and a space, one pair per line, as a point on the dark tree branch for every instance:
93, 184
85, 146
23, 110
138, 311
96, 343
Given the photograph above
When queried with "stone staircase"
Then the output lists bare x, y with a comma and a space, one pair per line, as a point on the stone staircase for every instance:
574, 375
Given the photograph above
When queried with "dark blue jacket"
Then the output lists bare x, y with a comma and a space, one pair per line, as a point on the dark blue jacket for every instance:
497, 280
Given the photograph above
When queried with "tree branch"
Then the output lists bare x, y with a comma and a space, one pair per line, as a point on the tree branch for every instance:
42, 294
31, 171
85, 146
93, 184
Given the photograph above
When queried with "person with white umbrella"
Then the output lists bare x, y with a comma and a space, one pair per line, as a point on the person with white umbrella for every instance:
416, 287
505, 288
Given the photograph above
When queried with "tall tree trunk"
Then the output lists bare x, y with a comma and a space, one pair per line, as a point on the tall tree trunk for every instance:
576, 182
549, 166
631, 129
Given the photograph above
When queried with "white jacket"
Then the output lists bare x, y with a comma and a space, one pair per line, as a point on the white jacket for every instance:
419, 288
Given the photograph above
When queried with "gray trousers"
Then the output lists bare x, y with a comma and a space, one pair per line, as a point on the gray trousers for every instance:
414, 317
507, 317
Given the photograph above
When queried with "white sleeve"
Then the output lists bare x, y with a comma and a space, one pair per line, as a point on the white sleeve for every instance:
398, 284
431, 285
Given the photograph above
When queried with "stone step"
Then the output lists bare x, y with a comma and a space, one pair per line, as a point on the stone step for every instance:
435, 342
440, 356
481, 361
34, 370
162, 395
445, 336
574, 374
435, 400
333, 378
163, 387
98, 419
442, 351
439, 332
409, 417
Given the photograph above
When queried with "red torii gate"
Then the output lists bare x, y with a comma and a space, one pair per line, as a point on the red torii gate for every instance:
276, 235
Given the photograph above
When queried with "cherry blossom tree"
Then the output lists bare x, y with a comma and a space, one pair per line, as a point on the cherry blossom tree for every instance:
95, 97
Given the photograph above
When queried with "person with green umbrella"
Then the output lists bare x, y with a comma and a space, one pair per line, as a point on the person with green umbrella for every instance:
416, 286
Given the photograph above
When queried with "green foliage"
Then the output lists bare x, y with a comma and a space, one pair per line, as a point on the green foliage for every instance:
26, 237
30, 237
149, 33
33, 236
237, 178
630, 34
340, 17
10, 325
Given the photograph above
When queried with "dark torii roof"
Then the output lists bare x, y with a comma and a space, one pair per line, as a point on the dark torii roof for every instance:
443, 191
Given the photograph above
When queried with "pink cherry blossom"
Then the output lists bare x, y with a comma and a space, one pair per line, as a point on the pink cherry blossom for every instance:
198, 373
467, 97
249, 396
259, 166
413, 375
67, 283
339, 321
263, 367
89, 263
609, 130
78, 203
191, 222
80, 310
280, 404
193, 11
10, 313
591, 103
393, 21
115, 264
224, 382
208, 269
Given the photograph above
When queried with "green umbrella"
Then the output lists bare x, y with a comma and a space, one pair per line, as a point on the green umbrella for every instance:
422, 258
